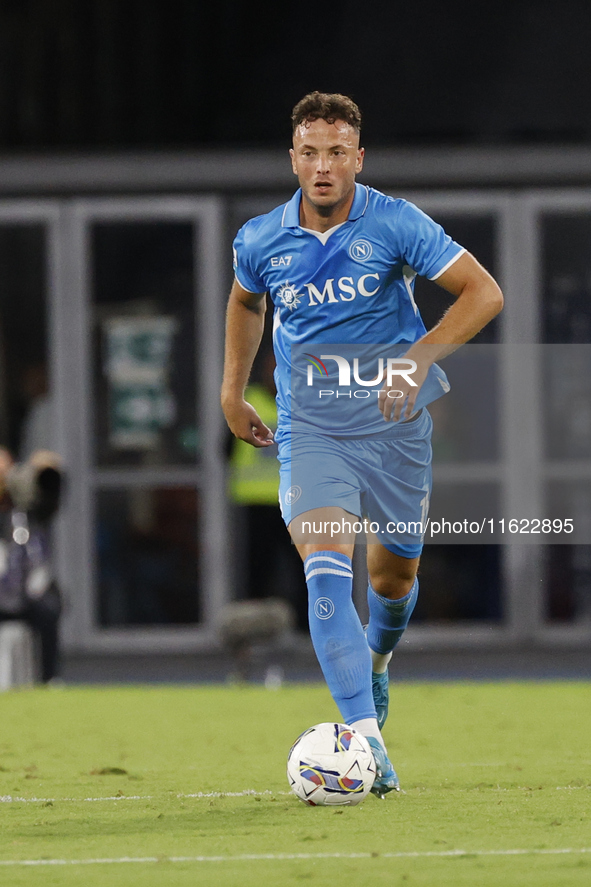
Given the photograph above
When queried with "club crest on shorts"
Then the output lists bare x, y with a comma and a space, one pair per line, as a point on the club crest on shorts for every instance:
293, 494
288, 293
361, 250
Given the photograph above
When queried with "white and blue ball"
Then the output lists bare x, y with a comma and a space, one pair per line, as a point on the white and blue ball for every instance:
331, 765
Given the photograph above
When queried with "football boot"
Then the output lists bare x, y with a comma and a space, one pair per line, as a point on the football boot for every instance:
386, 779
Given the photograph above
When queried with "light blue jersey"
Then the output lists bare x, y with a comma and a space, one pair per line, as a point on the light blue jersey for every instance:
353, 284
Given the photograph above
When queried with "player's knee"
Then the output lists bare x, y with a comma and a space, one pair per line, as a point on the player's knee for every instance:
396, 584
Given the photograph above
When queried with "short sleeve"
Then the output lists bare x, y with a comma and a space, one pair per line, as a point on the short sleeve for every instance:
245, 265
424, 244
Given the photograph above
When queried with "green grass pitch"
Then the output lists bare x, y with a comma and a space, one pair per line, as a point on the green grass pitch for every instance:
123, 774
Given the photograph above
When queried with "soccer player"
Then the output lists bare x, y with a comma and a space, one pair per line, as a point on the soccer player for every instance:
339, 261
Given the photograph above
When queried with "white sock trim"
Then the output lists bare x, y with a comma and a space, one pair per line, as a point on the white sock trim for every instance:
323, 557
320, 570
369, 727
379, 661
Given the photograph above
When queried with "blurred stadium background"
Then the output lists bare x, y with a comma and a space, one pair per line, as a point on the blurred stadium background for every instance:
135, 139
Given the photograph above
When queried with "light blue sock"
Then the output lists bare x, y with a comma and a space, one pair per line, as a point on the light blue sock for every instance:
337, 634
388, 619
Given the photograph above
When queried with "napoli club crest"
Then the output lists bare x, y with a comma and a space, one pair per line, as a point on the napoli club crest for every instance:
361, 250
293, 494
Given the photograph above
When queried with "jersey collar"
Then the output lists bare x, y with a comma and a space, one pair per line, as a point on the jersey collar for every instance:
291, 213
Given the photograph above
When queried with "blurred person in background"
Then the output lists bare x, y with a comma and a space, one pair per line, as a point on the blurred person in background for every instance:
38, 430
29, 498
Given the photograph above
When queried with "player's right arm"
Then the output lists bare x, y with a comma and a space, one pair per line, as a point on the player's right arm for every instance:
245, 319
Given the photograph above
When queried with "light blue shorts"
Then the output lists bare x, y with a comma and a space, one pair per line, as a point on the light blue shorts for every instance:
387, 481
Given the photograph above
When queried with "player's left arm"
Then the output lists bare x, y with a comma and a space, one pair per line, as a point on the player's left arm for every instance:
478, 298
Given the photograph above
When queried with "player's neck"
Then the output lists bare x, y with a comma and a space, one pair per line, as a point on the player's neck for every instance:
324, 218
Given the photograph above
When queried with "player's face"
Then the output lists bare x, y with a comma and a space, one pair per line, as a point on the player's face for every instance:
326, 158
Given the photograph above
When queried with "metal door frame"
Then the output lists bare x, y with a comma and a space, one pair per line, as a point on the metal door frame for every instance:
532, 205
74, 394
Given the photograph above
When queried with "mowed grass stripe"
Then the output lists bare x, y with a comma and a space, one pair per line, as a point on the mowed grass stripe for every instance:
287, 857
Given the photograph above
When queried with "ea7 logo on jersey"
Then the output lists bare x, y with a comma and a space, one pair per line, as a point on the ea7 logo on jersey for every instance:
361, 250
277, 261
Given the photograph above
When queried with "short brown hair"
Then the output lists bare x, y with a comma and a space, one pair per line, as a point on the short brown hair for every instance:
326, 106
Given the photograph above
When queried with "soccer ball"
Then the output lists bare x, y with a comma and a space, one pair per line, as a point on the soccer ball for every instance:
331, 764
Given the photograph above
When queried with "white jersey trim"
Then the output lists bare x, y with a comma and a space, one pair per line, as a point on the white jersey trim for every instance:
408, 275
449, 264
276, 320
322, 235
245, 288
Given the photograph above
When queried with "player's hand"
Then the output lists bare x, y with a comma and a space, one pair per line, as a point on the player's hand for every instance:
245, 423
397, 401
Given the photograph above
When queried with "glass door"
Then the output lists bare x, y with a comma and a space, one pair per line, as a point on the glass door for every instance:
145, 306
563, 222
462, 585
25, 396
